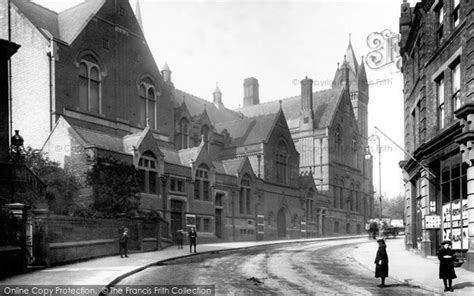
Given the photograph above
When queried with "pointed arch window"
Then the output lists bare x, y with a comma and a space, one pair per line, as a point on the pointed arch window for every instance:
245, 199
147, 104
205, 135
355, 154
183, 137
281, 159
338, 143
202, 184
90, 85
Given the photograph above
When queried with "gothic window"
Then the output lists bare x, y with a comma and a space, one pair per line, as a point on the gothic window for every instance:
89, 85
338, 143
183, 141
148, 174
295, 221
281, 159
147, 104
245, 196
202, 184
341, 195
336, 194
270, 218
355, 155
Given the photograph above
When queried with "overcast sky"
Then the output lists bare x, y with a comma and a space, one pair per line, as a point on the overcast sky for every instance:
279, 43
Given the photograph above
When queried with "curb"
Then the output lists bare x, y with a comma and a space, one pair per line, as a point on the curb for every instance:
127, 274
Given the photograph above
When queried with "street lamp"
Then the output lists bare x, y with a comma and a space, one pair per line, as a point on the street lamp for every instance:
369, 156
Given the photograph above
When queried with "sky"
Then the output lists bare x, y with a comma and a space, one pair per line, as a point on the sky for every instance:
279, 43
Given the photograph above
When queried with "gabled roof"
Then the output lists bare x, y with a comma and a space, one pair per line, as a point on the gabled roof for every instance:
100, 139
65, 25
233, 166
195, 106
324, 105
249, 131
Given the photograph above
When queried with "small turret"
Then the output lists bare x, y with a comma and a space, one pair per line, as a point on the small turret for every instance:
166, 73
217, 96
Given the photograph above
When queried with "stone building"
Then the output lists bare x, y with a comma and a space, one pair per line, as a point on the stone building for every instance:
329, 129
85, 86
436, 46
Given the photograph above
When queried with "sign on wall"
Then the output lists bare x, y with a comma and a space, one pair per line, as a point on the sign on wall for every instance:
455, 223
432, 222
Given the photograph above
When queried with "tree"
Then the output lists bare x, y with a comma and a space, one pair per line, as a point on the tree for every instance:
394, 207
114, 187
62, 186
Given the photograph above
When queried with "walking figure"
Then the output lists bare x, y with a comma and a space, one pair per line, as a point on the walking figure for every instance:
381, 262
446, 257
192, 235
179, 238
123, 241
373, 229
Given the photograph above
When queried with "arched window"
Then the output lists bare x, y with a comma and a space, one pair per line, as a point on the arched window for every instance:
355, 154
245, 196
202, 184
336, 193
338, 143
281, 159
183, 134
147, 104
89, 85
148, 174
205, 135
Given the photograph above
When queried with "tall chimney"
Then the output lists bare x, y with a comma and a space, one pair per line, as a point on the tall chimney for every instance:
306, 118
7, 49
251, 92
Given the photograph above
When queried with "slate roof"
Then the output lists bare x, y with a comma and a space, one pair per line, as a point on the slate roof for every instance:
232, 166
250, 130
195, 106
100, 139
65, 25
324, 105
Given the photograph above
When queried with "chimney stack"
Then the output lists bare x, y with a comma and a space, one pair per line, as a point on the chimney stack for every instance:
307, 94
251, 92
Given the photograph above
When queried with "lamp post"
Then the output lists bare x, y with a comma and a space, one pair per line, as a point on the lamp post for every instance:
368, 156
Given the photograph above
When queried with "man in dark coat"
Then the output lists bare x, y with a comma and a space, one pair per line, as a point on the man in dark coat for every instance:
192, 235
381, 262
123, 241
446, 258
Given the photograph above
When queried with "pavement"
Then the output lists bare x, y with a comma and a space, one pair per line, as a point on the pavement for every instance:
409, 267
404, 266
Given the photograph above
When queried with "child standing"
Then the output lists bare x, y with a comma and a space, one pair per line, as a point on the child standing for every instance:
446, 258
381, 262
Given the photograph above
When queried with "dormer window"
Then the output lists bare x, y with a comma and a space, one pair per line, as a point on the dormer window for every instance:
148, 173
202, 184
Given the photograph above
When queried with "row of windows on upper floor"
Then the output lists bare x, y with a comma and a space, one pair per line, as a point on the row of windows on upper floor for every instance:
447, 101
90, 92
447, 18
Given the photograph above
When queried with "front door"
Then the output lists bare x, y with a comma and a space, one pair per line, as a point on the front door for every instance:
281, 223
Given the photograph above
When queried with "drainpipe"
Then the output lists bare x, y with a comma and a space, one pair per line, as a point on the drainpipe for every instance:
52, 67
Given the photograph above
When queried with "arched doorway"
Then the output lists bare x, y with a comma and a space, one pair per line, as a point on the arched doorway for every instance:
281, 223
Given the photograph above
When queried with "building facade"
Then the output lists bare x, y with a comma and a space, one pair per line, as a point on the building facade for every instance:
330, 132
85, 87
437, 46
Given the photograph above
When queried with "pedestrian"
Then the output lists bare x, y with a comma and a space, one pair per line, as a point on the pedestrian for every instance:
373, 229
123, 241
179, 238
381, 262
446, 257
192, 235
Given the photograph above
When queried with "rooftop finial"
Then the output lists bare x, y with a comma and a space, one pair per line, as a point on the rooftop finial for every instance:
350, 39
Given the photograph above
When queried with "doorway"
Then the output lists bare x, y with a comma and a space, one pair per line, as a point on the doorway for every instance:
281, 223
176, 210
